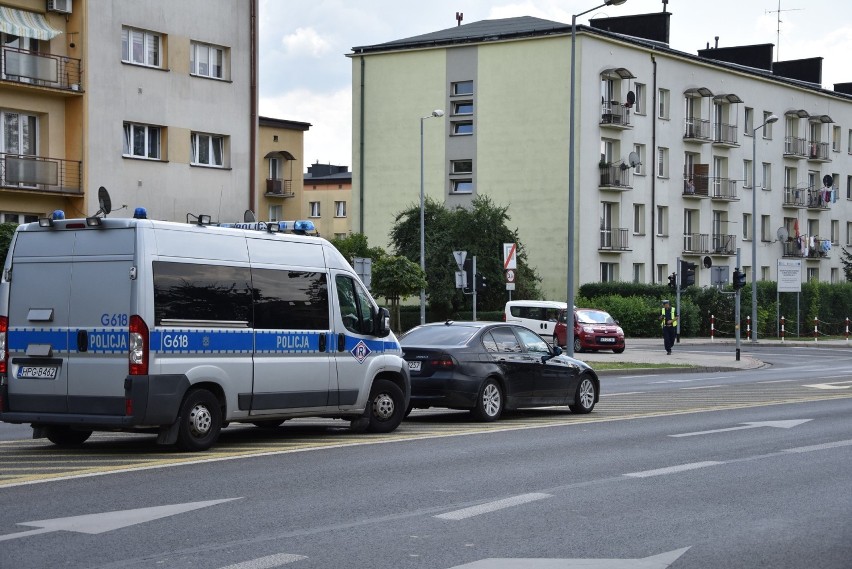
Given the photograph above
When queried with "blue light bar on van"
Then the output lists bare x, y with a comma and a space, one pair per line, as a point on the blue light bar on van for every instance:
300, 227
55, 215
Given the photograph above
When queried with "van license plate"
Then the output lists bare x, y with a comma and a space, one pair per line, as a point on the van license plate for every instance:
414, 366
37, 372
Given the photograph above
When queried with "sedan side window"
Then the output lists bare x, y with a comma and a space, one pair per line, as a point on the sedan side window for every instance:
532, 341
489, 343
506, 340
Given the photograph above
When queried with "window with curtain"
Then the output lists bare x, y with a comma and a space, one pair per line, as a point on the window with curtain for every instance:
141, 141
207, 60
140, 47
207, 149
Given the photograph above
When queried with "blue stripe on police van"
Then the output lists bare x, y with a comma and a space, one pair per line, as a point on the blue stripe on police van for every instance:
289, 342
195, 341
19, 338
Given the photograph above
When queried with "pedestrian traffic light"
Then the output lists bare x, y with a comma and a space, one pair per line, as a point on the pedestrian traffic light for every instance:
673, 281
687, 274
739, 278
481, 282
468, 269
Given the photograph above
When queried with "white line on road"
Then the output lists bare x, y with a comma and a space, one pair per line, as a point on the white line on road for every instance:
673, 469
267, 562
788, 424
820, 447
639, 376
701, 387
625, 393
492, 506
681, 380
777, 381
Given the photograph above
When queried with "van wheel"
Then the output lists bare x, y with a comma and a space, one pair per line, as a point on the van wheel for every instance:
386, 407
65, 437
200, 421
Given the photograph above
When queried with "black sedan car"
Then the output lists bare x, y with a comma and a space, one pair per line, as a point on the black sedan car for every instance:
491, 366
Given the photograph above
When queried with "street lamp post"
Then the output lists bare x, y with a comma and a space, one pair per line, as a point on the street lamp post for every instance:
435, 113
769, 120
569, 312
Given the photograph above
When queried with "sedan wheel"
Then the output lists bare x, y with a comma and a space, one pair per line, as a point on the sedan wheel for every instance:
489, 402
584, 399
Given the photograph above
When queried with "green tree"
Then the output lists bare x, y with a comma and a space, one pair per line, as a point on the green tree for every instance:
355, 245
396, 278
6, 231
846, 259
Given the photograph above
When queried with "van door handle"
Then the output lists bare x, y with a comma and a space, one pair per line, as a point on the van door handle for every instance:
82, 340
322, 342
341, 342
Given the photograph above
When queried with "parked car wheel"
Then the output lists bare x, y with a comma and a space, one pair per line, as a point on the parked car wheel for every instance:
618, 350
489, 402
65, 437
386, 406
200, 421
578, 345
584, 399
556, 341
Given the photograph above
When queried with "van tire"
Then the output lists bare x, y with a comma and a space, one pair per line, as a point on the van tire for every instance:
65, 437
386, 406
200, 421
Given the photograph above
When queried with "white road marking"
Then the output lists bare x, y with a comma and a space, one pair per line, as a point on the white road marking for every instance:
701, 387
268, 562
492, 506
777, 381
661, 561
681, 380
823, 446
638, 376
776, 424
673, 469
832, 385
624, 393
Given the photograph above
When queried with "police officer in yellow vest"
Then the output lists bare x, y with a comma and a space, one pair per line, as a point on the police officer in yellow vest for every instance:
668, 321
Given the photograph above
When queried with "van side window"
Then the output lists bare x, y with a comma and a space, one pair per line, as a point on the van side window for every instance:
355, 306
294, 300
184, 291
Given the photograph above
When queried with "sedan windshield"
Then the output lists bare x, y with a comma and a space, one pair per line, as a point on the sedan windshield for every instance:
438, 336
594, 317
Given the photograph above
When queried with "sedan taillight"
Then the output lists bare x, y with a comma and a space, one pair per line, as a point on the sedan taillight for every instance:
443, 362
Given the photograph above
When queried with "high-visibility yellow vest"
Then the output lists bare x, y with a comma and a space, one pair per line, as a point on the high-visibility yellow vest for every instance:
672, 316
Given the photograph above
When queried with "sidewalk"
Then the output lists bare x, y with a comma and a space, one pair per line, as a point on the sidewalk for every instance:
722, 358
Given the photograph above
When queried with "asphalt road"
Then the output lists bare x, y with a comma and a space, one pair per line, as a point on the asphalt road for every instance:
737, 469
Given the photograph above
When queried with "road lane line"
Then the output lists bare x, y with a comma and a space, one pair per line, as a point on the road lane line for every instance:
673, 469
638, 376
492, 506
267, 562
701, 387
823, 446
777, 381
625, 393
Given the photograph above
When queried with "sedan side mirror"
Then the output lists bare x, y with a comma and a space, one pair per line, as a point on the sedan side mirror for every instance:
556, 351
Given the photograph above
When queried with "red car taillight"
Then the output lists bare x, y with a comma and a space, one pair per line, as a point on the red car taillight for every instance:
444, 362
4, 352
138, 356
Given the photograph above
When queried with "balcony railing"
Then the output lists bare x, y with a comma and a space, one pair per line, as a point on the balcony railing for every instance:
696, 243
725, 134
614, 239
818, 151
40, 174
724, 244
795, 197
695, 186
697, 129
817, 199
723, 189
794, 146
43, 69
803, 249
614, 114
276, 187
616, 176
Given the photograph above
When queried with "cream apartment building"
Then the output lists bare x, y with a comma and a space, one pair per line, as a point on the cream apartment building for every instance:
152, 100
651, 124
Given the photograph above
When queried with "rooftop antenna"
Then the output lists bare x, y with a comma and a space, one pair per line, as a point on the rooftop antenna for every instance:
778, 28
665, 5
459, 17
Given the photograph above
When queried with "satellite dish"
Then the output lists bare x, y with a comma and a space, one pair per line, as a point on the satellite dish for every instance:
249, 217
633, 158
708, 262
104, 202
827, 181
631, 98
782, 234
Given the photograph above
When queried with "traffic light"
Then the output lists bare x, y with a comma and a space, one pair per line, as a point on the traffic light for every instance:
739, 278
687, 274
481, 282
673, 281
468, 269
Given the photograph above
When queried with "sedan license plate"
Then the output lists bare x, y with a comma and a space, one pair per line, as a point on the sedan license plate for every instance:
609, 340
414, 366
37, 372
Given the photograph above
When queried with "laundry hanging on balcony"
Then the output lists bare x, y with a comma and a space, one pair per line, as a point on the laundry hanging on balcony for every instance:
26, 24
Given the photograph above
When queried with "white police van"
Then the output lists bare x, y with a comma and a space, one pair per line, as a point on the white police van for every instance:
180, 329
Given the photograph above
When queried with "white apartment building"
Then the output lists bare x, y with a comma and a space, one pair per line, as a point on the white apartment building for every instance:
664, 146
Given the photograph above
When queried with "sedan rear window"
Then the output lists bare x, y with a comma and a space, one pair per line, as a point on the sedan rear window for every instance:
438, 336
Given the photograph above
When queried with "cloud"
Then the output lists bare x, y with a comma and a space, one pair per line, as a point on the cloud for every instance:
305, 42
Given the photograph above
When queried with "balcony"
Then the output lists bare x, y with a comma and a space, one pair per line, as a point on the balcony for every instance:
615, 177
27, 67
723, 189
795, 147
795, 197
278, 188
818, 151
695, 243
817, 199
614, 240
38, 174
802, 249
696, 187
725, 135
697, 130
614, 115
724, 244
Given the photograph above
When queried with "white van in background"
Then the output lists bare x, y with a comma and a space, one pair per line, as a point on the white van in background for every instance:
537, 315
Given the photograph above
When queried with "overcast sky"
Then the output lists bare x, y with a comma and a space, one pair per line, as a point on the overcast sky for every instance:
305, 74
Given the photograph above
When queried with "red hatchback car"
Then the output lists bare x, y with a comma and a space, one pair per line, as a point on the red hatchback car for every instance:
593, 330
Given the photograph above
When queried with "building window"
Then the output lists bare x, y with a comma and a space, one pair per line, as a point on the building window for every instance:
207, 149
767, 176
339, 209
849, 233
835, 275
662, 221
767, 126
662, 162
639, 168
765, 231
207, 60
140, 47
462, 128
19, 133
849, 187
748, 127
275, 212
638, 272
835, 232
315, 209
274, 168
461, 167
746, 227
664, 97
639, 105
462, 186
462, 88
835, 138
813, 274
609, 272
638, 219
463, 108
746, 173
142, 141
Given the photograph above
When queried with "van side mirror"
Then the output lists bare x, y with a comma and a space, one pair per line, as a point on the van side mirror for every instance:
381, 323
